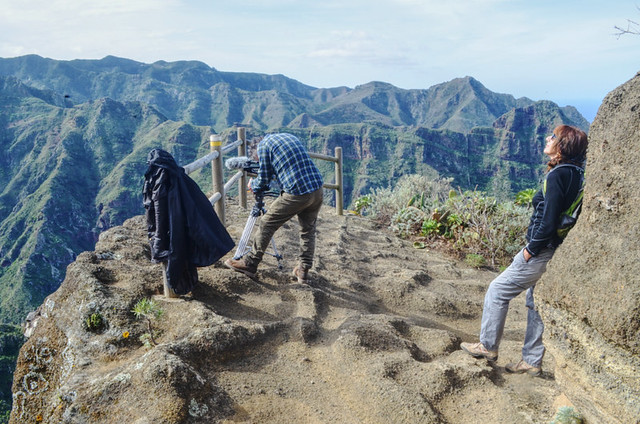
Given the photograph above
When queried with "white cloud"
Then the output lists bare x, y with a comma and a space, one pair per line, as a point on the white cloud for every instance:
67, 29
60, 11
349, 44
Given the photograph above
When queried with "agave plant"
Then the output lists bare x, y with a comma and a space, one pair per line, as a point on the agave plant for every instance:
525, 197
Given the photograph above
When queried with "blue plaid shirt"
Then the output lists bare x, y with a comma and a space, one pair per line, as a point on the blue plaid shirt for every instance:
283, 157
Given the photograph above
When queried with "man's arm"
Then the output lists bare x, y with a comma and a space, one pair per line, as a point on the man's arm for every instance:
265, 172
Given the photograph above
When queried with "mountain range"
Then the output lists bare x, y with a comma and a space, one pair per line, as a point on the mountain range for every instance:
193, 92
75, 136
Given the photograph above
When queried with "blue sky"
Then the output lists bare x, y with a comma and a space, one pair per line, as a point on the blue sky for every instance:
564, 51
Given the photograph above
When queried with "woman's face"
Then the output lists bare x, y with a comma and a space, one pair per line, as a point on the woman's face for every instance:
551, 148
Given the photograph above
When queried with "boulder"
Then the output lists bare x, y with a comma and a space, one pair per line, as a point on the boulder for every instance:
590, 295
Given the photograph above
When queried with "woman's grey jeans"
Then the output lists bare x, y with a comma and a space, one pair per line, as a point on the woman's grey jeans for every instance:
518, 277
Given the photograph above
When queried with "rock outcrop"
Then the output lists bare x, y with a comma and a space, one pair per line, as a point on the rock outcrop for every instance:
373, 339
591, 292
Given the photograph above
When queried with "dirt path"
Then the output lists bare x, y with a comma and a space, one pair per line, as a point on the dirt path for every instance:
374, 339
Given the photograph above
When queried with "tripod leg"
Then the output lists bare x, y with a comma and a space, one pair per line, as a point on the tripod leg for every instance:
246, 234
276, 254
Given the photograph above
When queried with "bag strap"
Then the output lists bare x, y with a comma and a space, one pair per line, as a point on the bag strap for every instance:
563, 165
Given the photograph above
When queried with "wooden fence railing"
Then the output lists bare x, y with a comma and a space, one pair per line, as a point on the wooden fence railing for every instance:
221, 188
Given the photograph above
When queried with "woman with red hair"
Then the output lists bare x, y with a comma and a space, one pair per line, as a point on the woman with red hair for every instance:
561, 191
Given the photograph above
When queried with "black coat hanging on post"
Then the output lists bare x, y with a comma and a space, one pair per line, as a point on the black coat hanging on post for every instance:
184, 230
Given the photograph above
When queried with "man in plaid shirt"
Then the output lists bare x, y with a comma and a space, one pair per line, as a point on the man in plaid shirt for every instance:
283, 158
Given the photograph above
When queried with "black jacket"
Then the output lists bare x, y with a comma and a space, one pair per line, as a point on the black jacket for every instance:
183, 228
563, 182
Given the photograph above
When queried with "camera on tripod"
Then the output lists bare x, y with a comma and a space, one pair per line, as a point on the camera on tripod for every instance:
251, 167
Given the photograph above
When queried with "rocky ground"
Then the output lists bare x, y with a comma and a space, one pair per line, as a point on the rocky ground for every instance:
373, 339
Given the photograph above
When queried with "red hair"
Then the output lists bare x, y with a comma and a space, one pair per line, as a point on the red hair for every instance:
572, 146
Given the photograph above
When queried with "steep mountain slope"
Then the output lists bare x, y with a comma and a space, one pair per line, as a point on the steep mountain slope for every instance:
67, 173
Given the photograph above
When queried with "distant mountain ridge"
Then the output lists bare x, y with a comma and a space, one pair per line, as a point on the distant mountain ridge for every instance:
196, 93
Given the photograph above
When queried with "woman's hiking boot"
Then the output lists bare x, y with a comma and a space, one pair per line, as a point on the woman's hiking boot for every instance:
522, 367
477, 350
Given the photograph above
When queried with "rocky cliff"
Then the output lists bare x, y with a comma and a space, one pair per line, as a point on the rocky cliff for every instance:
591, 291
373, 339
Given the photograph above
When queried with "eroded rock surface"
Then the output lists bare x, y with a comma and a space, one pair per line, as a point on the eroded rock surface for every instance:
590, 295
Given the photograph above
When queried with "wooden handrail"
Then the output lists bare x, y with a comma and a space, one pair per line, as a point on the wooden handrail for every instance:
324, 157
221, 188
203, 161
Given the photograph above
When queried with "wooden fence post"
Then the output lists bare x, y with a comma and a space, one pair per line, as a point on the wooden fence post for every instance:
242, 184
339, 190
215, 143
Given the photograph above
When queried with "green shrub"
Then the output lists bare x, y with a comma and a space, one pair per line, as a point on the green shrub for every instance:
410, 190
525, 197
475, 260
567, 415
430, 228
407, 221
495, 229
149, 310
361, 204
420, 201
94, 323
470, 221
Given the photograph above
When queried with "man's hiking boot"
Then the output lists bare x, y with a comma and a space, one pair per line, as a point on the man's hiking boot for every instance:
522, 367
240, 265
302, 274
477, 350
